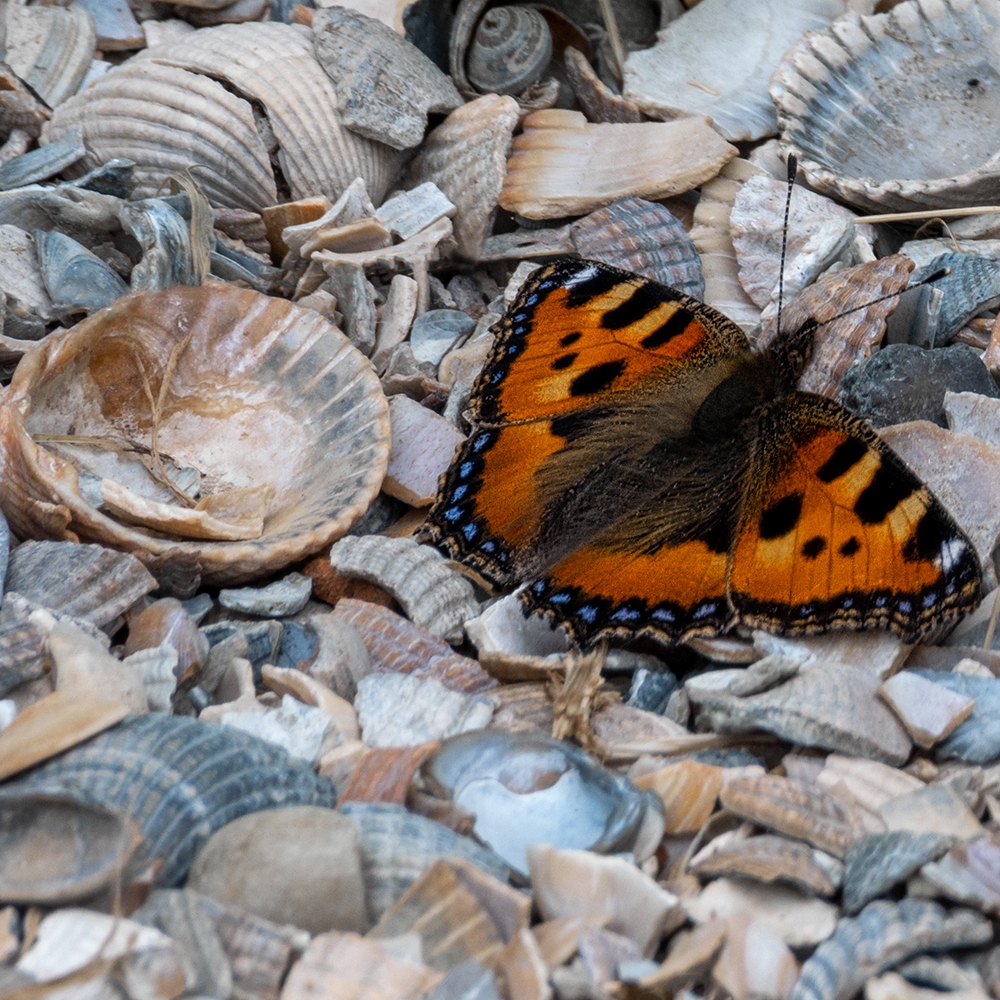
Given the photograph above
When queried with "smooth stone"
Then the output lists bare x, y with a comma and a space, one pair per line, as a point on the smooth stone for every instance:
397, 710
969, 874
834, 708
434, 333
650, 690
423, 445
932, 809
798, 920
284, 597
962, 472
974, 414
875, 863
297, 727
929, 711
904, 382
299, 865
977, 739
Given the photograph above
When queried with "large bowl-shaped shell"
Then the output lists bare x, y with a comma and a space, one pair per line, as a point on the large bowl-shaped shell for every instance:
897, 110
265, 396
164, 120
180, 780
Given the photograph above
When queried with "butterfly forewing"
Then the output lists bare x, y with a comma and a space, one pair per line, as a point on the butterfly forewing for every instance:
835, 531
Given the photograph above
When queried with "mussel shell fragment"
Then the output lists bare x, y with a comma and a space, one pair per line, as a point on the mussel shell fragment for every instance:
179, 780
77, 280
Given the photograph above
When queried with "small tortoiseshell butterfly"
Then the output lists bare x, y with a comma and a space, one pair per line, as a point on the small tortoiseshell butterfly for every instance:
646, 473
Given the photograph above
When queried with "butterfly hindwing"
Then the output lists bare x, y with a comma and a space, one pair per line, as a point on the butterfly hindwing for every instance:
836, 531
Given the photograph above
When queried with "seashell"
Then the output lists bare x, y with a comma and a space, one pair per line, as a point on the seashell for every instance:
54, 850
397, 847
28, 306
699, 66
167, 621
77, 280
189, 118
767, 858
384, 773
711, 237
295, 727
435, 596
301, 365
180, 780
509, 50
579, 883
85, 581
599, 102
168, 256
641, 236
22, 114
819, 233
43, 163
277, 218
50, 48
158, 669
397, 644
880, 937
452, 924
23, 655
526, 789
385, 86
353, 205
689, 958
853, 336
794, 809
84, 667
562, 165
972, 286
406, 213
466, 157
688, 791
851, 105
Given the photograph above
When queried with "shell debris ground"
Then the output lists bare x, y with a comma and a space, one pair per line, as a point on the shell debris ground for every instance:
259, 739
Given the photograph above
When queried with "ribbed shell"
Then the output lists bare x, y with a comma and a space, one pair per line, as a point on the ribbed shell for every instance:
180, 780
897, 111
303, 411
397, 847
644, 237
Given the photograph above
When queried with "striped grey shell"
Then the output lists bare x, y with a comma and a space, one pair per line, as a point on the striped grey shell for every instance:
641, 236
180, 780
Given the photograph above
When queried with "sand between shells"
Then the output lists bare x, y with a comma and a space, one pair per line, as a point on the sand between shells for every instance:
258, 742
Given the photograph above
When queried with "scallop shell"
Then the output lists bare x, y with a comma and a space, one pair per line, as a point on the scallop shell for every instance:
431, 593
152, 109
561, 164
466, 157
86, 581
703, 65
50, 48
643, 237
397, 847
853, 104
55, 850
397, 644
385, 85
179, 779
311, 426
711, 237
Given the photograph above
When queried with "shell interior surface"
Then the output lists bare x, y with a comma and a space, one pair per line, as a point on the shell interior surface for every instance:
897, 110
179, 779
282, 418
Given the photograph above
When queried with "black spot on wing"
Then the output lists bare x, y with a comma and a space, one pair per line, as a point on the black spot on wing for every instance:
815, 547
845, 456
925, 543
643, 301
781, 517
883, 494
580, 293
570, 339
850, 547
673, 327
563, 362
596, 379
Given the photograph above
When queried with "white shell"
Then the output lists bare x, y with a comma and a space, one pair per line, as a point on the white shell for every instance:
431, 593
156, 667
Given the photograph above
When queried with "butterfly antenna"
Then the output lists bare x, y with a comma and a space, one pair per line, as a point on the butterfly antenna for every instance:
793, 169
929, 280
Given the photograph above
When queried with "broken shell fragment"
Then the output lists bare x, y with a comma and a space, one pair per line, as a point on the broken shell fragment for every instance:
310, 420
77, 280
561, 164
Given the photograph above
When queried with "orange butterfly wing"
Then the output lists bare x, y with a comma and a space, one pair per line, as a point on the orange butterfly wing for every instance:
835, 531
580, 337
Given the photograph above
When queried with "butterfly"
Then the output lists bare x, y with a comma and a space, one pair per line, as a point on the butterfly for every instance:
645, 473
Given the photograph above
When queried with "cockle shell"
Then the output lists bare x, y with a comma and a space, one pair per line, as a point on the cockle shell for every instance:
164, 110
179, 779
853, 104
311, 424
435, 596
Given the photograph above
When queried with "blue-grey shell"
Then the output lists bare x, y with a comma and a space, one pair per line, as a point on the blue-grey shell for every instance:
180, 780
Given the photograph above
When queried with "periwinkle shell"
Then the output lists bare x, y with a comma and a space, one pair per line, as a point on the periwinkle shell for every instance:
509, 51
179, 780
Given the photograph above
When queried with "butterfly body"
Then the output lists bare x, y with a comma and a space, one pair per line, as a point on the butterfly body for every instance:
645, 472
